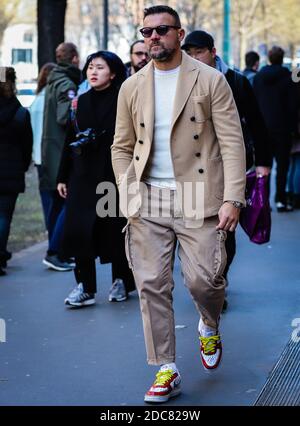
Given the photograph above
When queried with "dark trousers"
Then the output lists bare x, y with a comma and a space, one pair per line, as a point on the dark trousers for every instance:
281, 146
85, 273
230, 246
46, 197
55, 222
7, 207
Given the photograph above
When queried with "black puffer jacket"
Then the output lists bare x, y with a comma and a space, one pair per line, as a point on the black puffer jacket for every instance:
15, 145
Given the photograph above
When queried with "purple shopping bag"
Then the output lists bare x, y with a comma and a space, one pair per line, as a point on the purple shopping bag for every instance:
255, 218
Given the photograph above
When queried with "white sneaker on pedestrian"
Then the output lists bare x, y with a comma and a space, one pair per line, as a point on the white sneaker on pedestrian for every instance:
118, 291
78, 298
211, 346
165, 386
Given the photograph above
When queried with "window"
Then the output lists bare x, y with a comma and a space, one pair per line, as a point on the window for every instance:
21, 55
28, 37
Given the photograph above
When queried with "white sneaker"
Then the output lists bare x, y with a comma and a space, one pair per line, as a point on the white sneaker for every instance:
165, 386
210, 348
118, 291
79, 298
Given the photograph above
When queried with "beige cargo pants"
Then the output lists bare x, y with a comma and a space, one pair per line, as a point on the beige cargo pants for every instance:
150, 249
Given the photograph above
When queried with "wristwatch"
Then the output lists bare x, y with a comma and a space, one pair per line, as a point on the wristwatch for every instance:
236, 204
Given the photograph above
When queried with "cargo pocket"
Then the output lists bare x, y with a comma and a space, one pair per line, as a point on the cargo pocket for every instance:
220, 254
126, 229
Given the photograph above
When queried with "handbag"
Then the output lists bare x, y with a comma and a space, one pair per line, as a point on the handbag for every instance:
255, 218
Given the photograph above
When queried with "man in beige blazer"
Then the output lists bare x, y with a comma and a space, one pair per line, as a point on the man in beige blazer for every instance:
179, 161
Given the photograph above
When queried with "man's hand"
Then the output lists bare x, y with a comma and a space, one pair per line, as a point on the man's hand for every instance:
62, 190
228, 217
262, 171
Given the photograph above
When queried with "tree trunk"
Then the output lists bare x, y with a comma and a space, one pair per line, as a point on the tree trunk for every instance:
51, 28
243, 50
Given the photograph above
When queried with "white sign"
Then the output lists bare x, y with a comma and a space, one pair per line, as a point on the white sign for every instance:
2, 331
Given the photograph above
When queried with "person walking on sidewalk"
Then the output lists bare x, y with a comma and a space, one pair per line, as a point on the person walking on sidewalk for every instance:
177, 127
252, 64
85, 163
201, 46
15, 156
276, 95
37, 115
61, 88
294, 169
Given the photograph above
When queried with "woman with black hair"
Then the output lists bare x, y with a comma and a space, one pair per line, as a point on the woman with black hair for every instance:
15, 156
86, 163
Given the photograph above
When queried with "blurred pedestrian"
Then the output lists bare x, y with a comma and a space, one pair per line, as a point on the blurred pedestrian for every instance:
61, 89
139, 57
252, 65
276, 96
85, 163
36, 115
294, 170
177, 131
201, 46
15, 156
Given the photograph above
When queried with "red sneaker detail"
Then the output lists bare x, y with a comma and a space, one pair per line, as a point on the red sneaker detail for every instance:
166, 386
211, 351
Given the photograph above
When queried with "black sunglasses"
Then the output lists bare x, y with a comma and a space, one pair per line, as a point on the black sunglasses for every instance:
161, 30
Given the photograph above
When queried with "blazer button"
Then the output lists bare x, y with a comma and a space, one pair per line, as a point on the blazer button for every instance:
201, 171
142, 124
193, 118
196, 137
141, 142
137, 158
198, 154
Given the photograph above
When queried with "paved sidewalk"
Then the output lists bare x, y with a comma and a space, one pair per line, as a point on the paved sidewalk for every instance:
96, 356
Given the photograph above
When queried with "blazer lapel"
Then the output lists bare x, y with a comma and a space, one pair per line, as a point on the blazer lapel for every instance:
187, 77
146, 98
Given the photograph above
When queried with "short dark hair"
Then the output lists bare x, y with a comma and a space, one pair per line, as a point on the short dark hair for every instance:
134, 43
251, 58
154, 10
65, 52
276, 55
114, 63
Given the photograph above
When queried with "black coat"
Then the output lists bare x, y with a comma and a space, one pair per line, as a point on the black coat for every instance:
276, 96
15, 145
254, 129
85, 233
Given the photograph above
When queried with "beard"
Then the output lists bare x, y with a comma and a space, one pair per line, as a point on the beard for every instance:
139, 66
163, 55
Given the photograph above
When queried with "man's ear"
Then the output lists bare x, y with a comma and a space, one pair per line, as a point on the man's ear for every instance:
181, 34
214, 52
